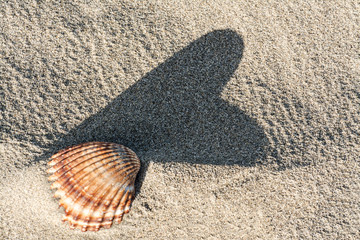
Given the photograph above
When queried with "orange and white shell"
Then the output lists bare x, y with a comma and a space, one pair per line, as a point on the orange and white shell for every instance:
95, 183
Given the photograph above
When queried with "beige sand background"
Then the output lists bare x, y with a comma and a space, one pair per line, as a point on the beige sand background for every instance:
245, 114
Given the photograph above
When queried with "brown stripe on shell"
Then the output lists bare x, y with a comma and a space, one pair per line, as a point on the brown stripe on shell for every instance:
95, 183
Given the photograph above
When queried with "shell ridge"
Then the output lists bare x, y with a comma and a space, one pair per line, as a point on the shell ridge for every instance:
109, 205
75, 218
114, 204
101, 166
76, 183
63, 179
119, 212
77, 187
119, 207
76, 190
89, 156
93, 206
62, 174
71, 159
70, 180
109, 176
92, 209
95, 182
97, 221
70, 149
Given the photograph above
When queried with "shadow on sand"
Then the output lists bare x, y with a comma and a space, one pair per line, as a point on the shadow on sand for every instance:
177, 109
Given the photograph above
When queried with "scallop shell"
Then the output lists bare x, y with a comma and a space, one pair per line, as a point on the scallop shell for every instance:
95, 183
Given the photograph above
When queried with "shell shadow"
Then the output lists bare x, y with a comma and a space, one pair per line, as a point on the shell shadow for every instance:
176, 108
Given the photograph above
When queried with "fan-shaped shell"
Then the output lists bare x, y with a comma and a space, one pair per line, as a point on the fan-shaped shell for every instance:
95, 183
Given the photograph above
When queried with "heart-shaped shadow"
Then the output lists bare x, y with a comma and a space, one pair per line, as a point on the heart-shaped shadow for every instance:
177, 107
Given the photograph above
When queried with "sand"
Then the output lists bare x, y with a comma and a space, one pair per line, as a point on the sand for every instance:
245, 115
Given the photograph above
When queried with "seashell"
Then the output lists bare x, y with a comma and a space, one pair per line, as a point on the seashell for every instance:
95, 183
